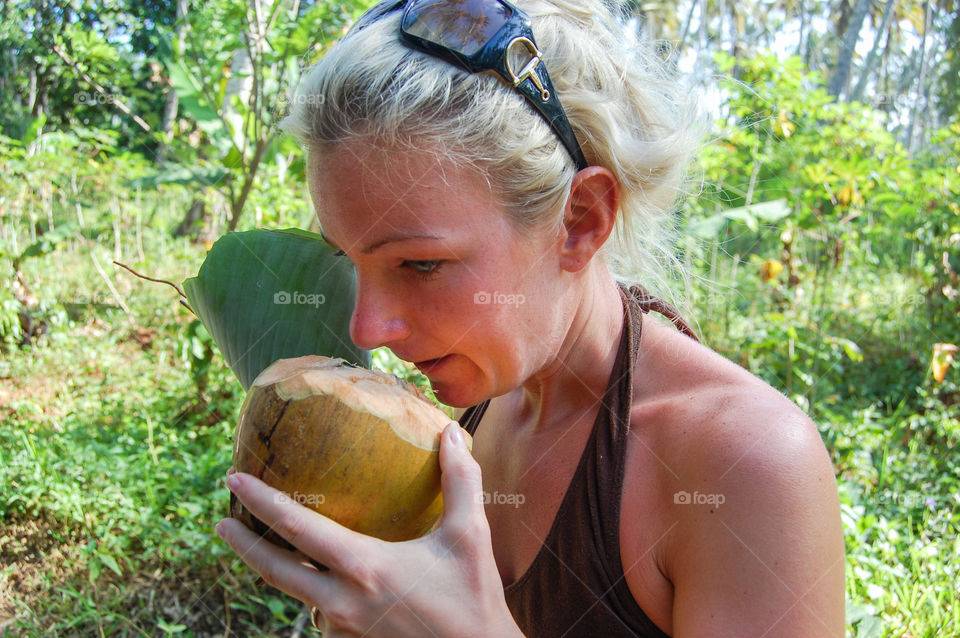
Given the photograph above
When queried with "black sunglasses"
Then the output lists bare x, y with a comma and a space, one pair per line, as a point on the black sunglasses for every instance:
483, 35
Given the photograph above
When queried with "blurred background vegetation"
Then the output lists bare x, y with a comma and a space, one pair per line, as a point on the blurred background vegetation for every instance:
824, 245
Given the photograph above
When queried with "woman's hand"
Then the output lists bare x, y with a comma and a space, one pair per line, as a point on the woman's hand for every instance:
443, 584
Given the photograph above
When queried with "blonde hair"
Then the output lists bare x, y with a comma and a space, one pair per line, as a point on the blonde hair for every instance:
628, 113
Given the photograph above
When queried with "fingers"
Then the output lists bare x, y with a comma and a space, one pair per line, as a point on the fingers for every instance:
287, 571
316, 536
460, 481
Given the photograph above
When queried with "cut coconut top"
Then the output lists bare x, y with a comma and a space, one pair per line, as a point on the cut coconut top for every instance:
412, 417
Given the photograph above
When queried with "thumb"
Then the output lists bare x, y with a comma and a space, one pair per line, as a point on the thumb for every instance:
460, 476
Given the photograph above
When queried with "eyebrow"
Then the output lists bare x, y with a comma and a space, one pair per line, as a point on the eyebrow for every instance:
386, 240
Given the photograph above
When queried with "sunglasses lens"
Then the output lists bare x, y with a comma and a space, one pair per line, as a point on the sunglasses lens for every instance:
464, 26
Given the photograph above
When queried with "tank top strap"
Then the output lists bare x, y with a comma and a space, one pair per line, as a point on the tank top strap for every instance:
470, 418
605, 456
608, 442
648, 302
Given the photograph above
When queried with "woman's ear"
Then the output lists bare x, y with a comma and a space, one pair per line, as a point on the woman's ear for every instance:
589, 216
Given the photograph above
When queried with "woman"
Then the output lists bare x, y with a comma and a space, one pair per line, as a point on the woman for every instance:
636, 483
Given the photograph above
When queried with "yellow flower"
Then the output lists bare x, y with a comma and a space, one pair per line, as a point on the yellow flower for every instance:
942, 358
770, 269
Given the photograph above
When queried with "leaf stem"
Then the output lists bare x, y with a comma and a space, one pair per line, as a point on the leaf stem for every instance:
159, 281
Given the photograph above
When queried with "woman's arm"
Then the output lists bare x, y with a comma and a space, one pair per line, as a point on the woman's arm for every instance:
769, 559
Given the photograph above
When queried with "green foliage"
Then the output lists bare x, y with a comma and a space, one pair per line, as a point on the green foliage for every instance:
232, 78
838, 303
103, 42
859, 227
196, 348
10, 332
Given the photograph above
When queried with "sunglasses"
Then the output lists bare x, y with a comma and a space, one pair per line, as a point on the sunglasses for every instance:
480, 36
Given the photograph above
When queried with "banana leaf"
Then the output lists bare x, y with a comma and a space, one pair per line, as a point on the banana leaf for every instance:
265, 295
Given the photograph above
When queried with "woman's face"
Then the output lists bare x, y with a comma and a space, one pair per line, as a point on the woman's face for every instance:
444, 279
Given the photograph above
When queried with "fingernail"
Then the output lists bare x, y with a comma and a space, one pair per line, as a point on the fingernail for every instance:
456, 436
219, 529
233, 481
230, 471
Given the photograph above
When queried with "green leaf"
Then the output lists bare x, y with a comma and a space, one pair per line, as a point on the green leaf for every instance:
869, 627
852, 350
110, 562
767, 211
742, 214
34, 129
47, 243
170, 628
709, 227
193, 101
206, 175
265, 295
771, 211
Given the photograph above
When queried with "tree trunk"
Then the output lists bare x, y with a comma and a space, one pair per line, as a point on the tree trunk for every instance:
803, 26
721, 11
172, 105
686, 29
237, 203
192, 220
921, 82
240, 85
841, 73
702, 35
884, 78
857, 94
32, 90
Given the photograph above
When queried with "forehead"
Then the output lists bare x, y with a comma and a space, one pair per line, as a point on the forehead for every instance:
361, 187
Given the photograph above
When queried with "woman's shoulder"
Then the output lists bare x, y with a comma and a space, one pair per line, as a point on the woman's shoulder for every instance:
737, 476
711, 421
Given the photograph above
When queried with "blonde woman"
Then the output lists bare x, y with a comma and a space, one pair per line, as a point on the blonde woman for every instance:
494, 172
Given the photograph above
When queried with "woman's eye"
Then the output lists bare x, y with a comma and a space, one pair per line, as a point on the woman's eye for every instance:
339, 253
422, 268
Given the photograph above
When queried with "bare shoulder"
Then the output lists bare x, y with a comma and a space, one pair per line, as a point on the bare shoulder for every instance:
745, 496
705, 414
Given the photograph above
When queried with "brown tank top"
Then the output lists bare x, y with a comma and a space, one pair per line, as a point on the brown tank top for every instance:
576, 586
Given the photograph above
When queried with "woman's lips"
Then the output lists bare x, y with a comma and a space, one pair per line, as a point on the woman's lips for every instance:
431, 365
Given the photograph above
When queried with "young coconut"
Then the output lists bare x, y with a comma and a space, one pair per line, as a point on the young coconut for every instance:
358, 446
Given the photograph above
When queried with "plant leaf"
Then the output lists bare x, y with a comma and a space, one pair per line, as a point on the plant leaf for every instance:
709, 227
206, 175
265, 295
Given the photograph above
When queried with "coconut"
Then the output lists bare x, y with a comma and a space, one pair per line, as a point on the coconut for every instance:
358, 446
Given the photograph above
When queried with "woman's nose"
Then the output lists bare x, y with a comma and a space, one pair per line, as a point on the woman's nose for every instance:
377, 318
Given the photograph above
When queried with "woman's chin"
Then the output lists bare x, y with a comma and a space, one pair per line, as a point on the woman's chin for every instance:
451, 394
455, 393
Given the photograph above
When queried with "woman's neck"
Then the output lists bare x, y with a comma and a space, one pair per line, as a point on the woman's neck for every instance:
575, 379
